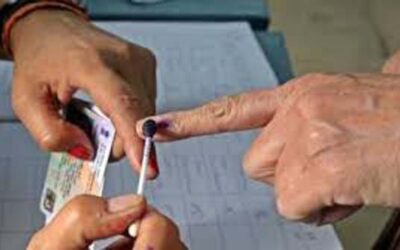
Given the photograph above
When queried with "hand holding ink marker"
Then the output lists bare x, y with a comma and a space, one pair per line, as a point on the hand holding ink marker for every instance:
149, 130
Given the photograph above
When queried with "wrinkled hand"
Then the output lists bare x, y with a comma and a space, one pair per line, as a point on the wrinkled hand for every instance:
56, 53
88, 218
330, 143
392, 66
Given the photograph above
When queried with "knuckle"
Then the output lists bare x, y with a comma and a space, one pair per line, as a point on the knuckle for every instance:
89, 62
315, 78
123, 48
150, 57
311, 104
163, 222
259, 173
332, 162
167, 226
49, 141
264, 172
308, 81
223, 110
129, 102
19, 102
181, 123
38, 241
323, 137
83, 46
77, 208
286, 209
146, 57
249, 169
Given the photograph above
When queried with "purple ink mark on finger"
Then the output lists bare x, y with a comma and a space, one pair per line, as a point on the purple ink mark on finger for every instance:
164, 124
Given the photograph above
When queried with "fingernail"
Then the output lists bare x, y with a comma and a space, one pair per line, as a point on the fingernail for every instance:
81, 152
118, 204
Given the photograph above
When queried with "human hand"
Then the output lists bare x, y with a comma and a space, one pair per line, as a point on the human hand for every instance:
88, 218
392, 66
57, 53
329, 145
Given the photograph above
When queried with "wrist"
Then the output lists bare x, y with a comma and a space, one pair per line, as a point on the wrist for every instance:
15, 13
37, 24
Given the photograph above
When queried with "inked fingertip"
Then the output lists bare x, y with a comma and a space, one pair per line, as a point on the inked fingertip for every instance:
163, 124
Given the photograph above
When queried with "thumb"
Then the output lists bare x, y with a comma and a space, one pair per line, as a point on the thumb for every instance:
38, 109
230, 113
89, 218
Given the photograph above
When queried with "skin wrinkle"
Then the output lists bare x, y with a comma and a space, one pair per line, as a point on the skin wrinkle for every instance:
331, 136
379, 184
396, 166
376, 125
370, 186
327, 149
371, 102
220, 109
389, 99
391, 183
262, 175
224, 109
344, 181
387, 163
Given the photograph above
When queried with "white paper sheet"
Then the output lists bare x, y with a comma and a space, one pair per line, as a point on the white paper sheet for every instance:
202, 185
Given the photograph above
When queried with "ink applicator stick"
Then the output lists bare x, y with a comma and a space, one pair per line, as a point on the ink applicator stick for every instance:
149, 130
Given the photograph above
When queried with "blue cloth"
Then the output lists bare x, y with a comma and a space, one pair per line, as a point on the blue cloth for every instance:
253, 11
273, 44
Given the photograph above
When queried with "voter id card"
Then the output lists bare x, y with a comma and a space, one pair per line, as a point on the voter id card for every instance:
68, 176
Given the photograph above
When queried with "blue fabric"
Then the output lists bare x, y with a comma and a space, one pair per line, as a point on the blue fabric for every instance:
253, 11
273, 44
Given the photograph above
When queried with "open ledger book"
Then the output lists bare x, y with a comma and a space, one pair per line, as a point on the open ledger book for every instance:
201, 186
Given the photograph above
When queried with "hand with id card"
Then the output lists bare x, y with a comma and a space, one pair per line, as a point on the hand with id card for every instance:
56, 52
72, 204
87, 218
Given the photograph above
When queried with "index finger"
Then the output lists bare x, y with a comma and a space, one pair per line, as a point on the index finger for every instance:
230, 113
